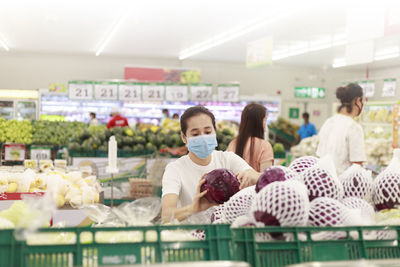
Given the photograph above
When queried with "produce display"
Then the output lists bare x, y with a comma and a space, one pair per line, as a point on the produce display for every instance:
307, 147
377, 114
13, 131
378, 145
55, 132
285, 126
72, 188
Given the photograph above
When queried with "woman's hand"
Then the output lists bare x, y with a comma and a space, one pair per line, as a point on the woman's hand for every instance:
248, 178
201, 203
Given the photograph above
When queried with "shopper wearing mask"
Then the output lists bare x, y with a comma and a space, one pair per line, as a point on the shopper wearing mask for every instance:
183, 178
250, 143
341, 136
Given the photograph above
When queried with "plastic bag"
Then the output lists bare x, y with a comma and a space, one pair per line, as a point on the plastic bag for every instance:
139, 212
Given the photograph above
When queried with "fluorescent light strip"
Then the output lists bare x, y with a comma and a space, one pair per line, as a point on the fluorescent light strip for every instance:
386, 56
111, 34
230, 35
3, 44
311, 48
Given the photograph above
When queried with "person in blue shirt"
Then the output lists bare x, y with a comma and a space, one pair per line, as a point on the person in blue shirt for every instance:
307, 129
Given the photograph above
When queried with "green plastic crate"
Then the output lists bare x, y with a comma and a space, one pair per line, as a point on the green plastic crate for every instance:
281, 253
216, 246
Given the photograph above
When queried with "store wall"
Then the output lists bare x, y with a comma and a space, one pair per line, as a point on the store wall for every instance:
29, 71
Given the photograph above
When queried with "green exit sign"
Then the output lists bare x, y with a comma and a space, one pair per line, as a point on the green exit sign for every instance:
309, 92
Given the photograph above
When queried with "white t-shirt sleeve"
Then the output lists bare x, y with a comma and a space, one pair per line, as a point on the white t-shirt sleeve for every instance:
236, 163
356, 144
171, 183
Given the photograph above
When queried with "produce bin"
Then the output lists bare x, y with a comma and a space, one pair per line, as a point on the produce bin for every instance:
95, 246
83, 247
249, 247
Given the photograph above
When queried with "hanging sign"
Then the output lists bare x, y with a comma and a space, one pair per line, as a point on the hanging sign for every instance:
153, 92
130, 91
309, 92
80, 90
228, 92
389, 88
41, 153
369, 88
201, 92
106, 90
14, 152
176, 92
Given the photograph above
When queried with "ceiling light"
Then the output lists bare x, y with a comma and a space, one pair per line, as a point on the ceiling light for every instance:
111, 33
232, 34
339, 62
19, 94
3, 44
386, 56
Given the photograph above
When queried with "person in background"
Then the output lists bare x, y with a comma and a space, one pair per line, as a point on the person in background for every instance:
250, 143
307, 129
175, 116
116, 119
93, 120
165, 113
183, 178
341, 136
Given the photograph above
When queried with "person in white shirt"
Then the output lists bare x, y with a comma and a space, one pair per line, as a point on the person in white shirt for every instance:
93, 120
341, 136
183, 178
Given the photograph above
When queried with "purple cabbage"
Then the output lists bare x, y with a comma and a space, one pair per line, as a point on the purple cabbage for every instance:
221, 185
270, 175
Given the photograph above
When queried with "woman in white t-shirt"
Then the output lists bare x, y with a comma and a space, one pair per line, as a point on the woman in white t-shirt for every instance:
183, 178
341, 136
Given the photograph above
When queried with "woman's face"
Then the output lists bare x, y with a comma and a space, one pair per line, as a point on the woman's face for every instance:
199, 125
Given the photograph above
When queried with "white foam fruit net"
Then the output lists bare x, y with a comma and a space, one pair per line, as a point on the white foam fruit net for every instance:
326, 211
321, 183
386, 190
216, 216
284, 202
301, 164
367, 211
239, 204
289, 173
357, 182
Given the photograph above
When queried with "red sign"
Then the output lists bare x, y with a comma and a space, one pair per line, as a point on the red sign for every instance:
162, 75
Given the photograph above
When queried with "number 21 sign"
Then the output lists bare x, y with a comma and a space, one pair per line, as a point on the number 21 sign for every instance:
80, 90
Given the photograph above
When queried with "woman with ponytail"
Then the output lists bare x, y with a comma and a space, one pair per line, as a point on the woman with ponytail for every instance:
250, 143
341, 136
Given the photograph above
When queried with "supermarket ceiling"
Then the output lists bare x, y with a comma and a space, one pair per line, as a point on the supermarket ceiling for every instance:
313, 33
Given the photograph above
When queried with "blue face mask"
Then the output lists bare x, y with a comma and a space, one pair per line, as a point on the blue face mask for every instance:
202, 145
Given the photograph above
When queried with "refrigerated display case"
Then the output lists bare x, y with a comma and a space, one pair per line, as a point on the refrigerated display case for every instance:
19, 104
147, 112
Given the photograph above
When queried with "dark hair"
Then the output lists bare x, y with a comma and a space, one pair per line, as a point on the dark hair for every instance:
93, 114
165, 110
175, 115
347, 94
194, 111
251, 125
306, 115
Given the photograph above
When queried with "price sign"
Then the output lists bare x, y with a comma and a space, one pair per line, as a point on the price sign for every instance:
201, 92
389, 87
130, 92
228, 93
153, 92
176, 93
14, 152
80, 90
40, 153
106, 90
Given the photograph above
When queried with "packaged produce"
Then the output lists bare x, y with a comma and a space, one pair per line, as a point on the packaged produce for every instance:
274, 174
357, 182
